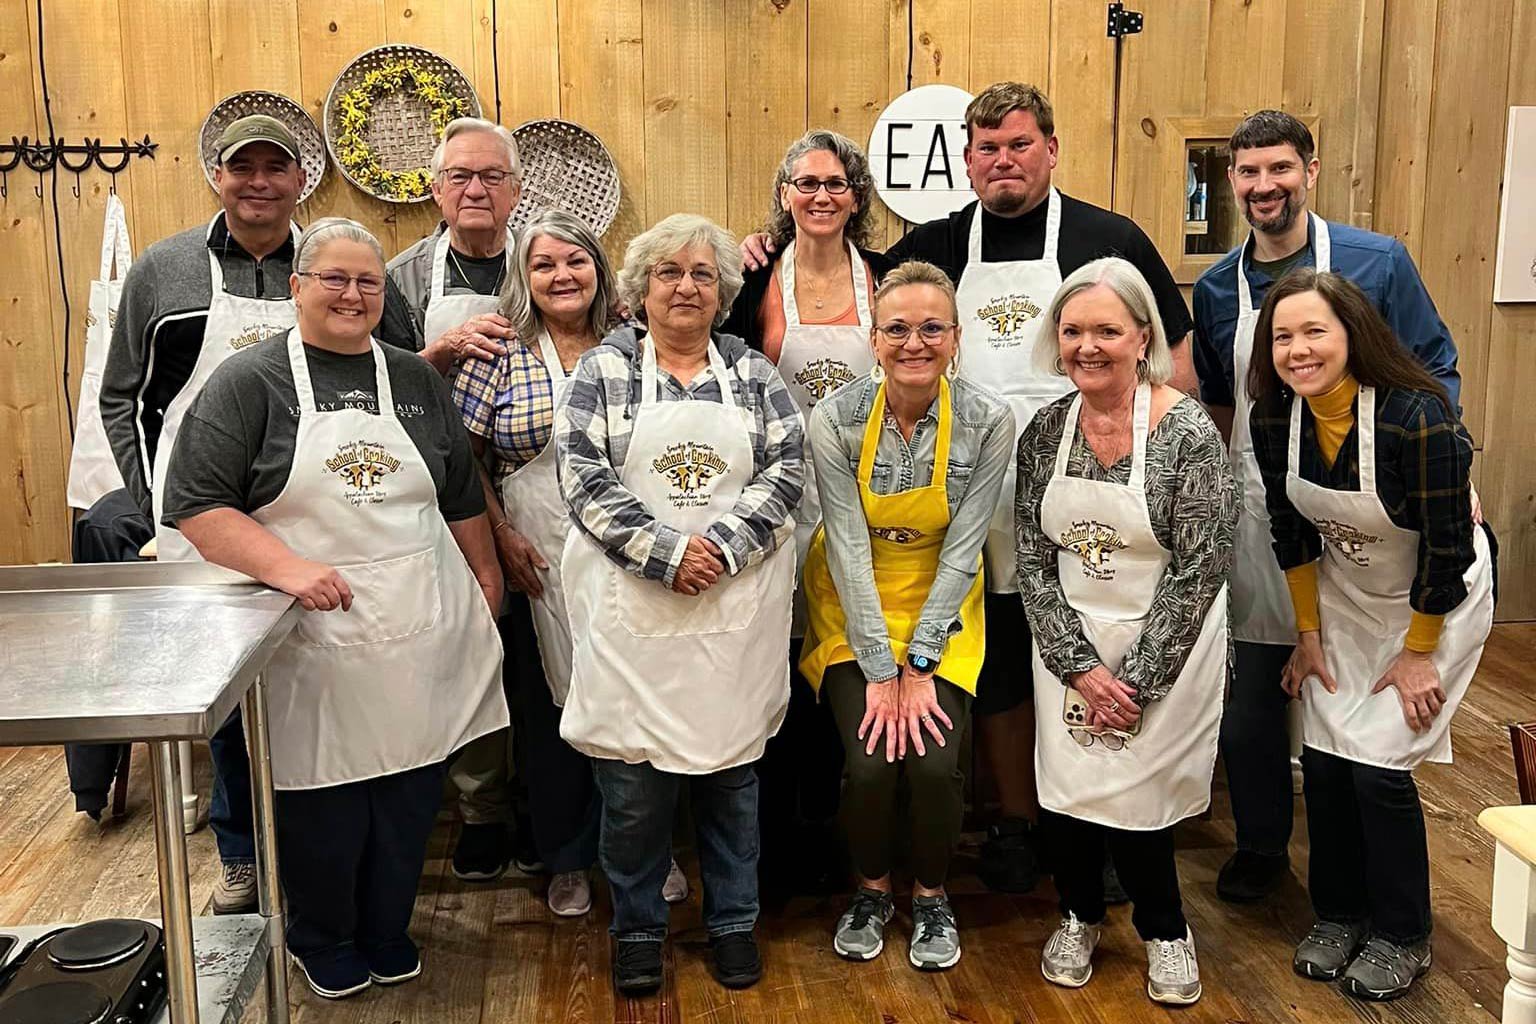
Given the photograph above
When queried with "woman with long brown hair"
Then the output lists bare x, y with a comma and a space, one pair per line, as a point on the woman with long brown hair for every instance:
1367, 480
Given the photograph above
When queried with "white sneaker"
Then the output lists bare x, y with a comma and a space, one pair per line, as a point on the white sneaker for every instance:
675, 888
1067, 959
1173, 973
570, 894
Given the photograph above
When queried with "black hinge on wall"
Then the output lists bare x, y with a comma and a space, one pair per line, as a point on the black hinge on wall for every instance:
1123, 22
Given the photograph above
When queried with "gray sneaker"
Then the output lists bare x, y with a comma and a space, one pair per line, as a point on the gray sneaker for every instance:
1385, 970
1173, 973
1327, 950
235, 891
861, 930
1068, 955
935, 936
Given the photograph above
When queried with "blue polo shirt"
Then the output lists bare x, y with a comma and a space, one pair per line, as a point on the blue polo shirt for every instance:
1377, 263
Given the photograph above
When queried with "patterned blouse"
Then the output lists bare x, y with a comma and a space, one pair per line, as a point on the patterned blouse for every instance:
509, 402
1193, 504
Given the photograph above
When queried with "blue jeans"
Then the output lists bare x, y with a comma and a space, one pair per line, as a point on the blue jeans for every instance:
635, 845
229, 812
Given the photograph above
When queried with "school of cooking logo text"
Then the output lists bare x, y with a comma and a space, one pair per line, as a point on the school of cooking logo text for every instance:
1093, 542
823, 376
363, 467
253, 334
1008, 315
1349, 541
689, 466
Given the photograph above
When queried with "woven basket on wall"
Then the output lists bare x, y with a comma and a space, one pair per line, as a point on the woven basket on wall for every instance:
256, 101
400, 126
565, 167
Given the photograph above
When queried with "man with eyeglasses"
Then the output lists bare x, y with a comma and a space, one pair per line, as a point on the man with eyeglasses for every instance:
448, 284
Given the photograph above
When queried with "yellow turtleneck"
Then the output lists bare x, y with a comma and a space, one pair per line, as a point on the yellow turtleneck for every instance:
1333, 415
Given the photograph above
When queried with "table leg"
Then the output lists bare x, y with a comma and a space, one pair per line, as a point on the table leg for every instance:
1514, 919
188, 788
175, 892
268, 886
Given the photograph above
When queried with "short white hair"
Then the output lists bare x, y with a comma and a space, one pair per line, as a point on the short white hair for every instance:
465, 125
680, 231
1121, 277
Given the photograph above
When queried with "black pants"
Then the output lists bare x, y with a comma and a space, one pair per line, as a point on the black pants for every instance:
800, 774
1369, 853
563, 800
1256, 748
1144, 861
869, 801
351, 857
1007, 677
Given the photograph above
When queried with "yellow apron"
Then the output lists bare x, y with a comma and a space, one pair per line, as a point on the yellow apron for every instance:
906, 534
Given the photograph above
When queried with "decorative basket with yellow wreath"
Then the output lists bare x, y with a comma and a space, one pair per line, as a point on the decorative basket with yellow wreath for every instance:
385, 115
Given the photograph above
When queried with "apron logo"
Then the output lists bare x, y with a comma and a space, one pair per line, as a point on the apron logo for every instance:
90, 319
689, 466
1008, 315
362, 466
896, 534
252, 335
1093, 542
111, 318
1350, 542
821, 377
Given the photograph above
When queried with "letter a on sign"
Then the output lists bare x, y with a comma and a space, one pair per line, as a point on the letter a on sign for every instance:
928, 120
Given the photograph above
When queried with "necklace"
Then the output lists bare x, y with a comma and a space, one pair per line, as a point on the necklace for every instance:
814, 283
501, 271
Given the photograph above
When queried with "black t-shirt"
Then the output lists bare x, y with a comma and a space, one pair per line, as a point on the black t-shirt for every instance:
1087, 233
235, 448
481, 275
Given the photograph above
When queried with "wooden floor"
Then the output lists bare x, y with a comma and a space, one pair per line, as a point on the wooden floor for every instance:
495, 953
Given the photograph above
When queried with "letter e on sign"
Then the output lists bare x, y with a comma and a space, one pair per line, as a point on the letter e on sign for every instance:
916, 153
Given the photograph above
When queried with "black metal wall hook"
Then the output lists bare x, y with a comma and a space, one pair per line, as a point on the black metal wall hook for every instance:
42, 156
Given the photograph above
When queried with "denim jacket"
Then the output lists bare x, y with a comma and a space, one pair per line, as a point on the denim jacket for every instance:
981, 443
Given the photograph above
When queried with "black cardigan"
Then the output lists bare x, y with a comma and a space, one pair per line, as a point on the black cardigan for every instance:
754, 288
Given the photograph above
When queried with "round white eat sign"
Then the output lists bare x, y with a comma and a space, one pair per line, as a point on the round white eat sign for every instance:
916, 153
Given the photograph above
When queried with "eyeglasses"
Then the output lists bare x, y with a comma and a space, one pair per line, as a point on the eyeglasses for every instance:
336, 281
809, 185
672, 274
930, 331
1086, 738
460, 177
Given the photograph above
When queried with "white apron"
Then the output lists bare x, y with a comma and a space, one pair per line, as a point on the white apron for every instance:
1363, 587
234, 322
93, 470
530, 496
413, 671
692, 685
814, 361
1002, 307
1261, 604
445, 312
1110, 563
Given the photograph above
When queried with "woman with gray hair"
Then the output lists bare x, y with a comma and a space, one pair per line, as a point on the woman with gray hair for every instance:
1126, 511
559, 299
681, 458
336, 470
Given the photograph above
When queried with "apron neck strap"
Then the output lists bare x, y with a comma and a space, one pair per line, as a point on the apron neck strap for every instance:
115, 246
551, 357
1049, 251
1365, 435
216, 268
876, 421
787, 287
298, 364
1141, 418
1322, 260
650, 375
439, 283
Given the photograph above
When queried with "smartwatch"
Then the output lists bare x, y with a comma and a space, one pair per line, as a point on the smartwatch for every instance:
918, 663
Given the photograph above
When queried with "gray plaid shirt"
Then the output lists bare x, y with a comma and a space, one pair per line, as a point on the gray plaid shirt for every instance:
593, 422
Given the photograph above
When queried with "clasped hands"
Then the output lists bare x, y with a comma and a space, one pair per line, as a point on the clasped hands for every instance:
901, 708
1413, 674
701, 568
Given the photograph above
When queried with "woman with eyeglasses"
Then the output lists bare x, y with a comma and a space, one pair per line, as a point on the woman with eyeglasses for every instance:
909, 461
337, 470
1125, 510
680, 455
808, 311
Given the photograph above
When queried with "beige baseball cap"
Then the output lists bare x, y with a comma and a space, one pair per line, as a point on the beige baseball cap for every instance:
257, 128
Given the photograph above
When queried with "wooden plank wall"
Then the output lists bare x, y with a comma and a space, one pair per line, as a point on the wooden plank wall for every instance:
696, 100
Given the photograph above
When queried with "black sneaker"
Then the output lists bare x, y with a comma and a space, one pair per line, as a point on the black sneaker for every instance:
334, 973
736, 960
482, 853
637, 967
525, 855
1114, 892
1008, 861
393, 962
1248, 877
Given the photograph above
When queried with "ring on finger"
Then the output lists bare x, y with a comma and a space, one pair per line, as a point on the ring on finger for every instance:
928, 719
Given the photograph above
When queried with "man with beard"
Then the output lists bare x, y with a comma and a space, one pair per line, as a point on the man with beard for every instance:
1272, 170
1008, 252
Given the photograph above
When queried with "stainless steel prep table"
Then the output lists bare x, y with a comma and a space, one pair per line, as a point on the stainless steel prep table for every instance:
156, 652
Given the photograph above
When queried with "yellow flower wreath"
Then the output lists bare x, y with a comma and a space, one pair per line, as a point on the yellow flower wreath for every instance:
352, 149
